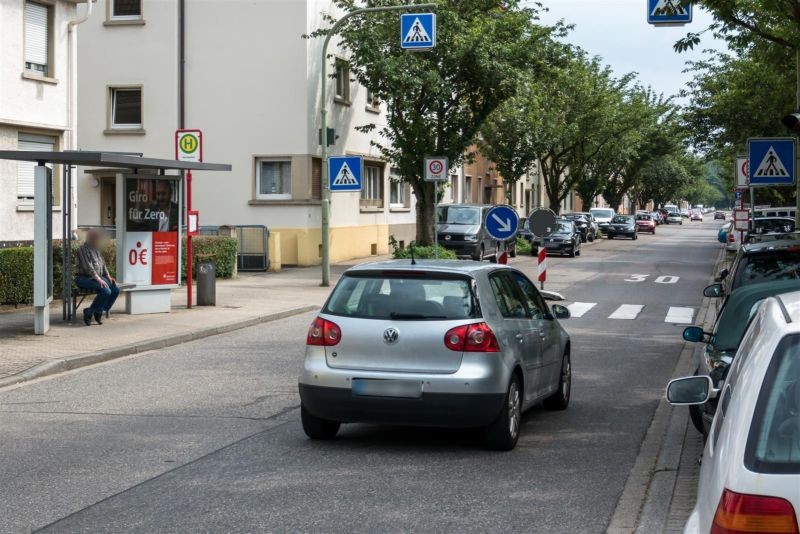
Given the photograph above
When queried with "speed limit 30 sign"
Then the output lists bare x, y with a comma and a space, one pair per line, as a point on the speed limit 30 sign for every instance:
436, 169
189, 145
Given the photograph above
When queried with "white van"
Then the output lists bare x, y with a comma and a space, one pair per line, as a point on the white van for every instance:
603, 216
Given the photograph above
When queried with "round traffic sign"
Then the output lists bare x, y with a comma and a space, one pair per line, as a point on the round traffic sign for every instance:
502, 222
542, 222
189, 143
436, 167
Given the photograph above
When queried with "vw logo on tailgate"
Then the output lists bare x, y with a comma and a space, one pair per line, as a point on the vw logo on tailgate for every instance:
390, 336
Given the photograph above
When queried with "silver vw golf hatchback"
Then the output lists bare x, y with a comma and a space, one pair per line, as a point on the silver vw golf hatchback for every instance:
436, 343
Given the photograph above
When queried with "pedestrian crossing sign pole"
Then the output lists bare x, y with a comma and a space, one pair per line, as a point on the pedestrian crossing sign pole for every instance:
345, 173
773, 161
418, 31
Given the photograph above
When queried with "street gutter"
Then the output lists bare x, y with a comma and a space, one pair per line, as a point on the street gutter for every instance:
70, 363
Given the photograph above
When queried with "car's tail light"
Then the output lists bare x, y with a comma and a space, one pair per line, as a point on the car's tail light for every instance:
738, 513
477, 337
323, 333
731, 237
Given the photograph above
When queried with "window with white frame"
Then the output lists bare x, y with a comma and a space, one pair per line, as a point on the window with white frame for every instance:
125, 9
372, 187
37, 38
342, 77
398, 191
274, 179
25, 169
454, 188
126, 108
468, 189
373, 103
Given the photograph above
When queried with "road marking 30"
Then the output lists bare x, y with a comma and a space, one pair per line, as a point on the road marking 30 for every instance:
635, 278
579, 309
679, 315
627, 312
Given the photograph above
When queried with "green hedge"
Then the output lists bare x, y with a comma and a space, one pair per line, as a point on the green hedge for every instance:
424, 253
16, 265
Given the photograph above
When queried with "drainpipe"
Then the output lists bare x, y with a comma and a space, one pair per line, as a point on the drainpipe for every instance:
181, 64
72, 102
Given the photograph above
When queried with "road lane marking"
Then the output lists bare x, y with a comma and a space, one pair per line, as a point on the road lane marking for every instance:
579, 309
667, 279
679, 315
637, 278
627, 311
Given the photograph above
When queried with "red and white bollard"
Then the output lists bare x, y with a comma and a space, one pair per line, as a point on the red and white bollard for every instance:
542, 266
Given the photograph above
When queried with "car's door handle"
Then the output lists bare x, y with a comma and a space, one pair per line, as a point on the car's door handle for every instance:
520, 338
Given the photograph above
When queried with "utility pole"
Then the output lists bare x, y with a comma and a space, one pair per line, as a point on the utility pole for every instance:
797, 108
326, 192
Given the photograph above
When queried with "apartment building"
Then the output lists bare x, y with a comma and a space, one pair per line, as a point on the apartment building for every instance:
242, 73
37, 104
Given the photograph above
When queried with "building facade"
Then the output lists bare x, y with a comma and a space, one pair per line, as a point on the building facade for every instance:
242, 73
37, 105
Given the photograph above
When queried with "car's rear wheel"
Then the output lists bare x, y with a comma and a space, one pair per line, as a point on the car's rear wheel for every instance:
513, 251
479, 256
560, 399
611, 236
591, 238
503, 433
316, 427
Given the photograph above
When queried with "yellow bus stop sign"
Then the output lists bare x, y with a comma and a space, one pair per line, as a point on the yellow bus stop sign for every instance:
189, 145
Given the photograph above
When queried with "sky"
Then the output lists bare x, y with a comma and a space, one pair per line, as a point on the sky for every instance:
617, 30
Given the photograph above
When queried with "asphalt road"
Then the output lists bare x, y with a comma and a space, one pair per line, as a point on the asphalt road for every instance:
206, 436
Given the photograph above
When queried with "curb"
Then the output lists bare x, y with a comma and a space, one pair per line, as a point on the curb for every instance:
647, 494
90, 358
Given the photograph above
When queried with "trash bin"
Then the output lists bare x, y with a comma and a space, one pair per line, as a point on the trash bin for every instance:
206, 281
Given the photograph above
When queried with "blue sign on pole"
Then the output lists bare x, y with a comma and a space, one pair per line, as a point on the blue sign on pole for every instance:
418, 31
502, 222
773, 161
344, 173
669, 12
737, 195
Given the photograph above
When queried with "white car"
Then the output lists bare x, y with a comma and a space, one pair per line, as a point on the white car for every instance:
603, 217
750, 475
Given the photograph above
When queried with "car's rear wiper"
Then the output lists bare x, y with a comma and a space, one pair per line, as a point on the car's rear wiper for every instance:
396, 315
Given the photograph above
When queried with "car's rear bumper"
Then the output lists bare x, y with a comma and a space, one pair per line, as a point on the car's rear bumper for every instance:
431, 409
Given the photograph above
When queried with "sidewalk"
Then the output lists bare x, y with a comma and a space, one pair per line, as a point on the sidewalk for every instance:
250, 299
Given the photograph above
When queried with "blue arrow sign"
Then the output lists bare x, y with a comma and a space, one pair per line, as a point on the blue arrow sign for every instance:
773, 160
344, 173
737, 195
502, 222
418, 31
669, 12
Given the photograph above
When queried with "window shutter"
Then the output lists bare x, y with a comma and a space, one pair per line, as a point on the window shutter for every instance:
36, 34
316, 178
25, 169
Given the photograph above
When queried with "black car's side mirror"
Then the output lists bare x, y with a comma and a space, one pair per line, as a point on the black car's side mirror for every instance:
561, 312
713, 291
695, 334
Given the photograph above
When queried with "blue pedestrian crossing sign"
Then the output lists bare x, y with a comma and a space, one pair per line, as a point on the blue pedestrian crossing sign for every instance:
773, 161
418, 31
669, 12
345, 172
502, 222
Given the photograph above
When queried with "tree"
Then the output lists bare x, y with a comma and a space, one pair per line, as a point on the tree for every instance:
438, 100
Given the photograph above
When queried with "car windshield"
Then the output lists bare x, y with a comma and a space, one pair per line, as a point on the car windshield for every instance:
469, 215
642, 217
778, 265
621, 219
563, 227
772, 446
607, 214
418, 297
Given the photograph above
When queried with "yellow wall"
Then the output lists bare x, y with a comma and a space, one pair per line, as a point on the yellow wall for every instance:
301, 246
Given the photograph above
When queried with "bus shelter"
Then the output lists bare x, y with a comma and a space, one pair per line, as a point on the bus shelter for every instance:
150, 224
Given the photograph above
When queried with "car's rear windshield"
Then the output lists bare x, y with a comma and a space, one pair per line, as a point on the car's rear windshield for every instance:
621, 219
778, 265
603, 213
773, 445
642, 217
773, 226
469, 215
421, 296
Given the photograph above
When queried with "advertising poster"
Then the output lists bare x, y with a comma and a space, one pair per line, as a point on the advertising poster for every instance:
152, 215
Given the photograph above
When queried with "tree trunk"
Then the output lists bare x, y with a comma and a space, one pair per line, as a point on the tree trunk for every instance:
424, 192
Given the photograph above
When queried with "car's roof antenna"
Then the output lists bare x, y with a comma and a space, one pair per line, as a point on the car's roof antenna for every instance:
411, 249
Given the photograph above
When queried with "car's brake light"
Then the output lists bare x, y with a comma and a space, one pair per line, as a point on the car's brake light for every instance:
323, 333
731, 237
738, 513
476, 337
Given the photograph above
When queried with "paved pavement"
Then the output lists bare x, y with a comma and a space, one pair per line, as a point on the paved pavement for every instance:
205, 436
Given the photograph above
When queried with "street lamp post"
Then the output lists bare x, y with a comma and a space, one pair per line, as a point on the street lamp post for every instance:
326, 192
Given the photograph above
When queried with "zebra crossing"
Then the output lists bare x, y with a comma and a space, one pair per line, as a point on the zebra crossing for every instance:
630, 312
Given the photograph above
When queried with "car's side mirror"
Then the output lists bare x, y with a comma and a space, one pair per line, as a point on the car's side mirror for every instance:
723, 274
695, 334
713, 291
561, 312
691, 390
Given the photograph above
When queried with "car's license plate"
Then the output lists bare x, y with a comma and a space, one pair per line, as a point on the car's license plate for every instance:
407, 389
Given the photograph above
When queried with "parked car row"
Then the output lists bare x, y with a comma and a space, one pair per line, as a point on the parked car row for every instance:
744, 396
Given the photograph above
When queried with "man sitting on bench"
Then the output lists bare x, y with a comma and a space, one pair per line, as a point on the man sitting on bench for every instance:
91, 273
